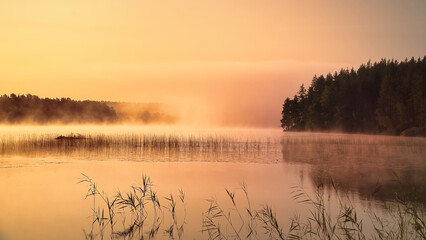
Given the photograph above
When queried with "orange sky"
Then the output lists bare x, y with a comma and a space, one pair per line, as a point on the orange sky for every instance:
229, 62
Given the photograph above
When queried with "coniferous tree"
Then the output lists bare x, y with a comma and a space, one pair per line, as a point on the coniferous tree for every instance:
387, 96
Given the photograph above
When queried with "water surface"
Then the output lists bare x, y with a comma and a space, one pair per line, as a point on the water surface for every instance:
42, 200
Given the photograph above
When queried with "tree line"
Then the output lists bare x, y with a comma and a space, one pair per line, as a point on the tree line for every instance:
383, 97
16, 109
31, 109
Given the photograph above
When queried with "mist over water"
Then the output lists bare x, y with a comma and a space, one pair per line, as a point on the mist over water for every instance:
200, 161
127, 120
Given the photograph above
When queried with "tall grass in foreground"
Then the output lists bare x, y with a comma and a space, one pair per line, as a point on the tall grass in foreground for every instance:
136, 214
143, 216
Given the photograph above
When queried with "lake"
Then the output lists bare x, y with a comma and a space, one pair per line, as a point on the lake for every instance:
228, 180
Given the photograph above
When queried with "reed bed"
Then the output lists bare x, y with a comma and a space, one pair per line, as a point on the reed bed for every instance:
132, 145
139, 213
150, 216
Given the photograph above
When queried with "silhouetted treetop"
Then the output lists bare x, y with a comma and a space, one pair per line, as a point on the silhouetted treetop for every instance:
383, 97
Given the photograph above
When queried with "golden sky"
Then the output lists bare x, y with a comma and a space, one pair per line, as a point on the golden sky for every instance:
223, 61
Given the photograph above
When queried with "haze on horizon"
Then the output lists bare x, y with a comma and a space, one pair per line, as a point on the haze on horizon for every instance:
218, 62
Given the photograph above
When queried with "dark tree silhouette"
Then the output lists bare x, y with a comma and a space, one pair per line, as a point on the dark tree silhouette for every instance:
384, 97
22, 109
32, 109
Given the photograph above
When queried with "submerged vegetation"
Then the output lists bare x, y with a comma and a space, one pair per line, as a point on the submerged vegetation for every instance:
146, 215
384, 97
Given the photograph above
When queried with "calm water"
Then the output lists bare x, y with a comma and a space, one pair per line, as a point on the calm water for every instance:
40, 197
